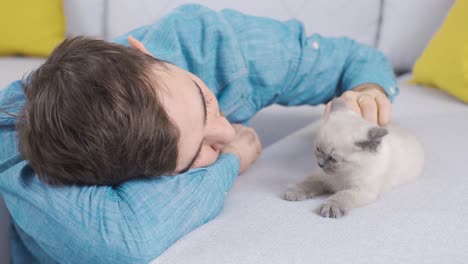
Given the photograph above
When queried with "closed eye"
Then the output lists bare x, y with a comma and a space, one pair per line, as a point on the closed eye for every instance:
209, 101
332, 159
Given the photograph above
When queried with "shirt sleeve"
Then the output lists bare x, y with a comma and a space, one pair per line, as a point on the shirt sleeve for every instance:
130, 223
285, 66
329, 66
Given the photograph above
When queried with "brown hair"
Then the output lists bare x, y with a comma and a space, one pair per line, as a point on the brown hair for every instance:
92, 116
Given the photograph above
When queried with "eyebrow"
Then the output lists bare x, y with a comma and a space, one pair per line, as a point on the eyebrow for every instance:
204, 123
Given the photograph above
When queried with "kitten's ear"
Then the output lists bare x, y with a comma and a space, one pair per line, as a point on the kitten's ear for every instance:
338, 104
377, 133
374, 137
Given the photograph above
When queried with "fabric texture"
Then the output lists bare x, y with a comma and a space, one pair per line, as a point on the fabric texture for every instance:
444, 63
249, 63
31, 28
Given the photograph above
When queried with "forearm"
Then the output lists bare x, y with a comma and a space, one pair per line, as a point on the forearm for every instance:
172, 206
133, 222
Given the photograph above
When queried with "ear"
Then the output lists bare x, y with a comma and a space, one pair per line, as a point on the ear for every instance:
338, 104
374, 137
377, 133
136, 44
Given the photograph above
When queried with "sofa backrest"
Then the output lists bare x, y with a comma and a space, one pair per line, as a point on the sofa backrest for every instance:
401, 29
85, 17
358, 18
406, 28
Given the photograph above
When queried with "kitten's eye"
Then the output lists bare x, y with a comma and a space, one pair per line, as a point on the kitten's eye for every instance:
317, 149
332, 159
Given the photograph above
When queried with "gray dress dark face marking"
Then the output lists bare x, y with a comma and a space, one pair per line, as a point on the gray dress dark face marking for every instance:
374, 138
326, 161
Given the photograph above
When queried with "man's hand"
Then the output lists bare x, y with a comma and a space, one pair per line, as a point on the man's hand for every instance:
370, 101
246, 146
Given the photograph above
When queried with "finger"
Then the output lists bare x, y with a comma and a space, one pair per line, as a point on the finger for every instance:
368, 108
134, 43
350, 98
384, 109
353, 105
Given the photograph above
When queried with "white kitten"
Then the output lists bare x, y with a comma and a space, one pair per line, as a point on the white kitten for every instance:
358, 162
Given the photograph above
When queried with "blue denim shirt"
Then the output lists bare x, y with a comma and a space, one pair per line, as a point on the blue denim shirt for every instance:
249, 63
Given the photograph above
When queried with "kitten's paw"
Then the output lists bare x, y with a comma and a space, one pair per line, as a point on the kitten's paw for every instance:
295, 194
331, 209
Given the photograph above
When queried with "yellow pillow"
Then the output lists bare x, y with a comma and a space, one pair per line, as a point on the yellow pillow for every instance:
31, 27
444, 62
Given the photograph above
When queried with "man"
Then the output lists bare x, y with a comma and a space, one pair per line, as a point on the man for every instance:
121, 152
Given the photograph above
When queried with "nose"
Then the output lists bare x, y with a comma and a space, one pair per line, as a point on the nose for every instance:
219, 133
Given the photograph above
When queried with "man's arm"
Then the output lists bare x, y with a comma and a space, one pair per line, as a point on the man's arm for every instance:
328, 67
130, 223
360, 74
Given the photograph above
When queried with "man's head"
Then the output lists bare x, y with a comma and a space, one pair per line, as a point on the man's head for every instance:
101, 113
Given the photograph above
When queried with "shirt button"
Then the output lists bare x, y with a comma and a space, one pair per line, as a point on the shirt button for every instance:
392, 90
315, 45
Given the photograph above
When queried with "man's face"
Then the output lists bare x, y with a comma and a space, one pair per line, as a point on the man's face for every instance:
195, 111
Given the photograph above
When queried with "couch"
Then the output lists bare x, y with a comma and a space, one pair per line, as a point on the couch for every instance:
419, 223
